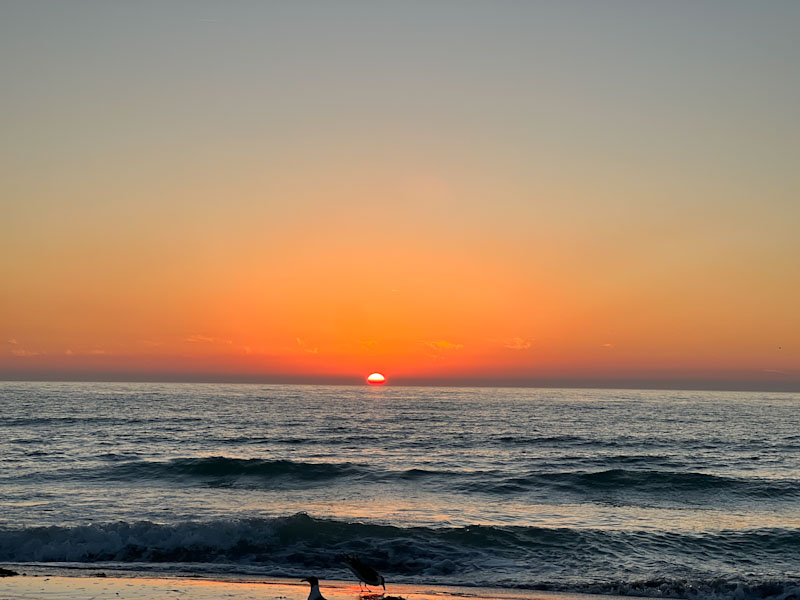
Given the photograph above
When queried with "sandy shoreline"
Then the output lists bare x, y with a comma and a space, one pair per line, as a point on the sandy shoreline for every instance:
92, 587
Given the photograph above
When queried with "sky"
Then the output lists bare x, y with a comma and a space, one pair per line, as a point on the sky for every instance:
453, 192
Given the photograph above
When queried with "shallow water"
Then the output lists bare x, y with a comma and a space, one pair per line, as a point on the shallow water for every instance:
581, 490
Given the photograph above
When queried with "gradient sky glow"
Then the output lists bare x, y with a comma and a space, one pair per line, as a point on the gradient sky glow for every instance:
452, 191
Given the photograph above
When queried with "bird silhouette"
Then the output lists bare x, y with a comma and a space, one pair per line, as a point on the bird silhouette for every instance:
314, 594
365, 573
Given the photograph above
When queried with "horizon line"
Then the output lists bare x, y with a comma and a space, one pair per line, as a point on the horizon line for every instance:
665, 384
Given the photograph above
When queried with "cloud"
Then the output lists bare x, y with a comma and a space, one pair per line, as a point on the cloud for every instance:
98, 352
518, 343
442, 345
206, 339
69, 352
608, 345
305, 348
26, 353
22, 351
775, 371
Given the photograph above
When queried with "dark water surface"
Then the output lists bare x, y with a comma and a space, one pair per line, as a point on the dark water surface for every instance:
677, 494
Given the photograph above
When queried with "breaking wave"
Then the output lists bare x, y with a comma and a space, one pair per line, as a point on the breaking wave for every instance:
594, 561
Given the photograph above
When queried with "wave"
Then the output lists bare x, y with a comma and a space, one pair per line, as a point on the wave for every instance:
216, 467
627, 485
310, 440
644, 479
722, 445
632, 482
75, 420
621, 562
584, 482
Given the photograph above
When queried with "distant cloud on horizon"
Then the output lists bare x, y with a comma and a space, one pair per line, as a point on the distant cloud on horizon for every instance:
22, 352
518, 343
26, 353
775, 371
92, 352
206, 339
305, 347
443, 345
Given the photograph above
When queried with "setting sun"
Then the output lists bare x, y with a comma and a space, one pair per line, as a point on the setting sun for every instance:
376, 379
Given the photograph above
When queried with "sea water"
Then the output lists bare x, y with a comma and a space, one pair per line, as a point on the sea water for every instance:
657, 493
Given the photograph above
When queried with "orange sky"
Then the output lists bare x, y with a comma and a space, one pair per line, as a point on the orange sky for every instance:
271, 193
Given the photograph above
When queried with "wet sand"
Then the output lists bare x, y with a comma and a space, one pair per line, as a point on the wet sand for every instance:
58, 587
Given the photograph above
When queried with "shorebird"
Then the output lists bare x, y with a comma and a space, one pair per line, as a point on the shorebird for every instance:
364, 572
314, 583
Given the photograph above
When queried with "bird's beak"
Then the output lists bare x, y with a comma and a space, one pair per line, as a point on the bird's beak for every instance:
304, 579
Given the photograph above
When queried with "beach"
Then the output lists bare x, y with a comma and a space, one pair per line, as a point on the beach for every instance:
59, 587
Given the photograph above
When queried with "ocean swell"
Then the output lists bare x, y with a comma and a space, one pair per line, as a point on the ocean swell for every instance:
630, 482
626, 485
215, 467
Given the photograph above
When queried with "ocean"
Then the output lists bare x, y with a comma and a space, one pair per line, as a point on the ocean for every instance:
654, 493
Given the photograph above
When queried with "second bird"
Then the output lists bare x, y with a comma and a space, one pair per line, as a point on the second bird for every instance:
315, 593
365, 573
